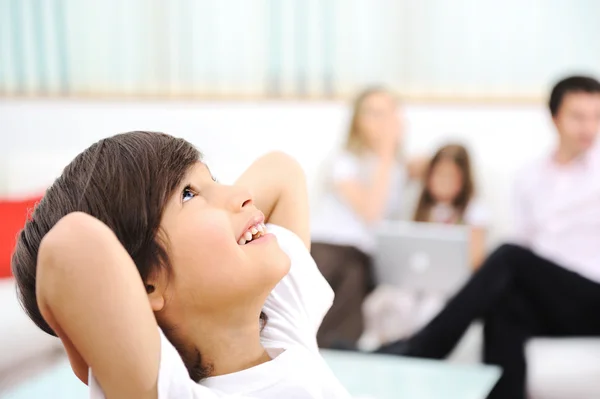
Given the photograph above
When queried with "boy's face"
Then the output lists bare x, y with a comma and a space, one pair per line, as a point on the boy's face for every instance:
214, 271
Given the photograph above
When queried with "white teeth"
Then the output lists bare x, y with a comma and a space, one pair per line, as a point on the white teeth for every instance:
256, 231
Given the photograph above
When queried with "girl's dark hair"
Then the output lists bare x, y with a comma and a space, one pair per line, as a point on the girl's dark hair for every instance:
124, 181
460, 156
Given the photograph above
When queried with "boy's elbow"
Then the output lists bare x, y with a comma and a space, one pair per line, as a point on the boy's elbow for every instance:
289, 170
285, 163
74, 232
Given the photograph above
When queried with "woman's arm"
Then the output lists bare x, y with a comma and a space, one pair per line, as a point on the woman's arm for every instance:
368, 200
416, 167
278, 185
91, 294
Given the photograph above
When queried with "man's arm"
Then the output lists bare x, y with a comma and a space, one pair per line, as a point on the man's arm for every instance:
278, 185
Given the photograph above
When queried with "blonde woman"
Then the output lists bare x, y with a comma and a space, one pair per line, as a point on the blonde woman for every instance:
364, 186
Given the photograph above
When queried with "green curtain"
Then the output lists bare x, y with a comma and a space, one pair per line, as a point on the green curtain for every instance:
293, 48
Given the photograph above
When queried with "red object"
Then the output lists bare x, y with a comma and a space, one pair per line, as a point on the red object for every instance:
13, 215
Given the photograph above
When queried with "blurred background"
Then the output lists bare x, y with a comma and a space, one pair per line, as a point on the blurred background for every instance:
239, 78
264, 49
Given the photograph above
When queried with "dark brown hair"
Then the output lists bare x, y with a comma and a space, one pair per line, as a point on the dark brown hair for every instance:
460, 156
572, 84
124, 181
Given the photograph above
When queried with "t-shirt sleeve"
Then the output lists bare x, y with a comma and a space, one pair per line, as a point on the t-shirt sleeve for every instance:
296, 306
345, 166
477, 214
173, 378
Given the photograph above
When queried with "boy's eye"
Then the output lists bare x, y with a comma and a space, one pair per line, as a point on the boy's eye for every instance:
187, 194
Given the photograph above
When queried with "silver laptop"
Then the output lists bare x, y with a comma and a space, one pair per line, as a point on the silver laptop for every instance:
422, 257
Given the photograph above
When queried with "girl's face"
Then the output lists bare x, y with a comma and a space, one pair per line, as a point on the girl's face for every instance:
378, 113
446, 181
213, 271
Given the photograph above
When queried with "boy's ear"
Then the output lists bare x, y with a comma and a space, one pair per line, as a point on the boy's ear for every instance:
157, 301
155, 288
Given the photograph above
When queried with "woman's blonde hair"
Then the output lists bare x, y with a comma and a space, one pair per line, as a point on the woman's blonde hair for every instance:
355, 142
460, 156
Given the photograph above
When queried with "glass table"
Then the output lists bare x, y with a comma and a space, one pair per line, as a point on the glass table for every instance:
365, 376
391, 377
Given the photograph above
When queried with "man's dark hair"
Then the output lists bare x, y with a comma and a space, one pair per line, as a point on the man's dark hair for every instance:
572, 84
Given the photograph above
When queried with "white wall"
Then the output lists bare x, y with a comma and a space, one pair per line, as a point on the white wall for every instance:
38, 138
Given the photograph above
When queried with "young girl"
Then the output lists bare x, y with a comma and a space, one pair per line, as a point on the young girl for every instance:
447, 197
136, 235
364, 186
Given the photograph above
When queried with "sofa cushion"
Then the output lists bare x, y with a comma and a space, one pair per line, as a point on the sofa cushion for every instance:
564, 368
558, 368
13, 214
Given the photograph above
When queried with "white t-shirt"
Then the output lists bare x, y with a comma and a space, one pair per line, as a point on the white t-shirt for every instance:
295, 309
335, 222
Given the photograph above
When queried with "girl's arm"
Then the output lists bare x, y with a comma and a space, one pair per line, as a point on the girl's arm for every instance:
278, 185
477, 217
91, 294
477, 246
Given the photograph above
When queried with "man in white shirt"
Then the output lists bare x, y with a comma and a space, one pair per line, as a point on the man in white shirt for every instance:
548, 282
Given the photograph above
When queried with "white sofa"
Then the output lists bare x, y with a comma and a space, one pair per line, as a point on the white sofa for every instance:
38, 148
558, 368
24, 348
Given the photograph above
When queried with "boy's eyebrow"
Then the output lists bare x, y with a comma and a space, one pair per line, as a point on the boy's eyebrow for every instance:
193, 170
210, 173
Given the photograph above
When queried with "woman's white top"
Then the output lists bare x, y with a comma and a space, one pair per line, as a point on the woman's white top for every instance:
334, 221
295, 309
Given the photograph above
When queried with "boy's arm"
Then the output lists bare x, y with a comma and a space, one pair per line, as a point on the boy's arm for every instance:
278, 185
91, 294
